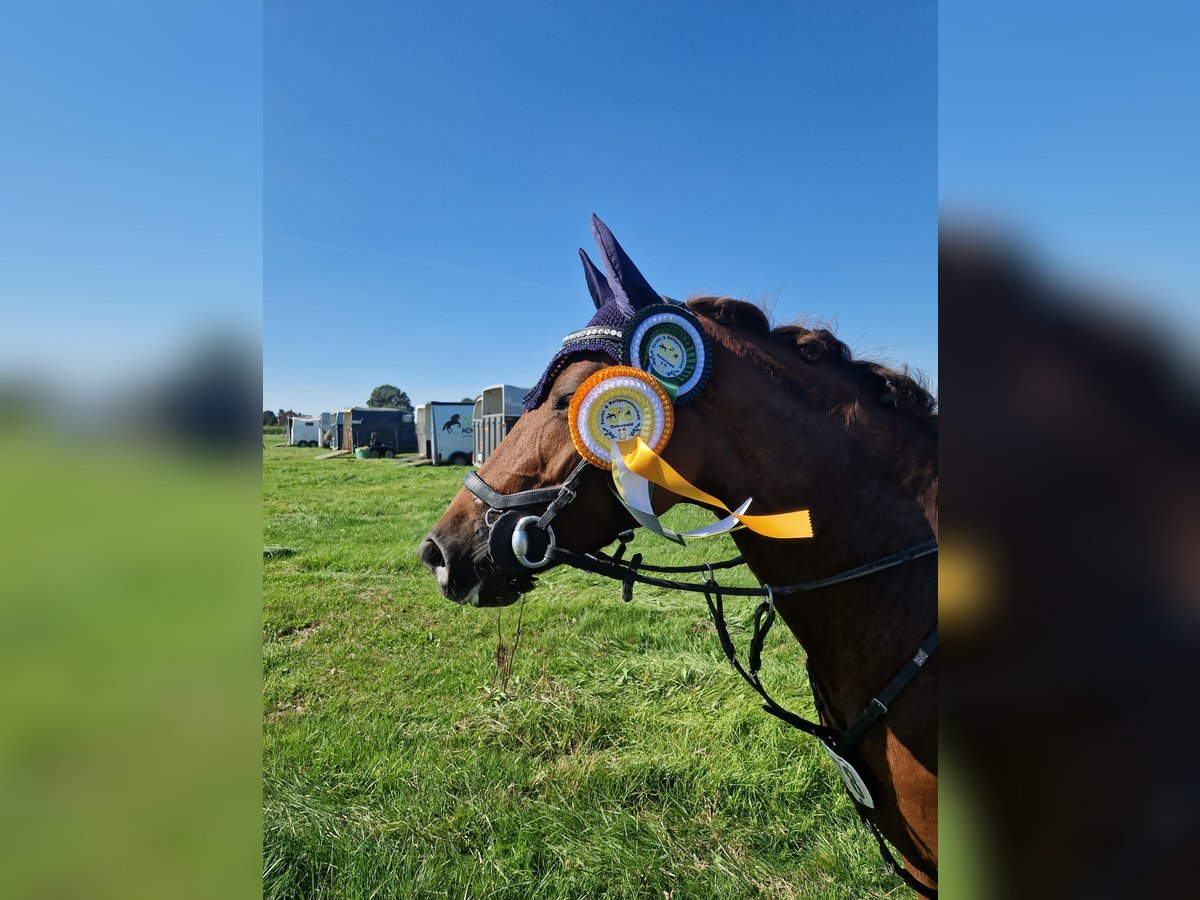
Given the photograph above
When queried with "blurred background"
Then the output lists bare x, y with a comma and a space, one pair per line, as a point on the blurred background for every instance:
1069, 330
131, 260
130, 370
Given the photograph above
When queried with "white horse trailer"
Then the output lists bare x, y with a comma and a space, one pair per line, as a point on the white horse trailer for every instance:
305, 431
477, 435
424, 427
444, 432
499, 408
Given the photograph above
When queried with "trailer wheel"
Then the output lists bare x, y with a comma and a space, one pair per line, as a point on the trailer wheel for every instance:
389, 454
459, 459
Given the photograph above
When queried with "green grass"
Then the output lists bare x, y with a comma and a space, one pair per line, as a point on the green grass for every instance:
626, 759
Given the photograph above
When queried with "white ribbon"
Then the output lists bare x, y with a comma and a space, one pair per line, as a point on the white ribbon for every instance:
634, 493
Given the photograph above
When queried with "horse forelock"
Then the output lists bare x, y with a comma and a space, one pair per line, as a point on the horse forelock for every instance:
901, 389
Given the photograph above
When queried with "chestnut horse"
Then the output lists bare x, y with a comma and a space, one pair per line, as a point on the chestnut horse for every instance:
790, 418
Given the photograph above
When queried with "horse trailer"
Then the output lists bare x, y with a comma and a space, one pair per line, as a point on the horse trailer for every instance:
421, 420
304, 431
381, 431
335, 431
444, 432
499, 408
476, 419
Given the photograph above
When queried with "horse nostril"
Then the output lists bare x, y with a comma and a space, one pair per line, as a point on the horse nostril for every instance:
431, 555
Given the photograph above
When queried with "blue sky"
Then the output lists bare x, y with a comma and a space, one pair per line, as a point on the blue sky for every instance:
429, 171
1073, 124
132, 215
429, 174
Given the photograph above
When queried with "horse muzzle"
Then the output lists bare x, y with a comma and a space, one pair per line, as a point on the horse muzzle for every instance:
461, 581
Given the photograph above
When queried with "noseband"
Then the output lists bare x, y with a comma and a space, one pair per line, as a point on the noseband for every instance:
519, 541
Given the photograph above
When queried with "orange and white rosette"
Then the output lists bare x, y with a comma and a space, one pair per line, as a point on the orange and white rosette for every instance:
621, 418
617, 404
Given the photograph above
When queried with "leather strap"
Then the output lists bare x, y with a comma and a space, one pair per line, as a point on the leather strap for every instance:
480, 488
880, 703
493, 498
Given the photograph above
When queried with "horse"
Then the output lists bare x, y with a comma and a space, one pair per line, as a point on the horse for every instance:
789, 417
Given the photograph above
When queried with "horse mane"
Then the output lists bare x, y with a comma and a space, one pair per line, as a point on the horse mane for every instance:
900, 389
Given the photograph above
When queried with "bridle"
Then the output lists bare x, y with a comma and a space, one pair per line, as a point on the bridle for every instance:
517, 534
521, 542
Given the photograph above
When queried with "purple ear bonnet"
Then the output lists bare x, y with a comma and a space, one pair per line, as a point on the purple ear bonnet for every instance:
618, 298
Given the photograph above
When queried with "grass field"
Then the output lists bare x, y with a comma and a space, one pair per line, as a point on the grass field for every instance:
625, 759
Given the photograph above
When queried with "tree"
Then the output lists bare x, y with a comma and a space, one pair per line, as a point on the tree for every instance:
468, 399
391, 396
269, 418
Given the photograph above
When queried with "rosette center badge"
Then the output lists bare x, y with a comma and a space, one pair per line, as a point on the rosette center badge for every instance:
669, 343
620, 419
667, 357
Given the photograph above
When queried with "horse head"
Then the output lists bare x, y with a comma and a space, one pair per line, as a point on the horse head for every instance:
792, 420
538, 454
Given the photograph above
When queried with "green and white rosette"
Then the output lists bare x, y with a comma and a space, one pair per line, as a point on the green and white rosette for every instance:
668, 342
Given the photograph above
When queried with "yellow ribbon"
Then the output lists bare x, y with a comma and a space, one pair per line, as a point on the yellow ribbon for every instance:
643, 461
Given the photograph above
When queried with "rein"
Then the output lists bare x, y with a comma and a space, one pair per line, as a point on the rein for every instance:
521, 541
764, 617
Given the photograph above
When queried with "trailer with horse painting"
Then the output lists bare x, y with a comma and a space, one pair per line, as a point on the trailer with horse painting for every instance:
444, 432
499, 407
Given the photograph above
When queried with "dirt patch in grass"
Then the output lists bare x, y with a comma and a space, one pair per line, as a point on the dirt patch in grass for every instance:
296, 635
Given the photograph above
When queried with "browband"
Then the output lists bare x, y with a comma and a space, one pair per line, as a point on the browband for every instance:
594, 333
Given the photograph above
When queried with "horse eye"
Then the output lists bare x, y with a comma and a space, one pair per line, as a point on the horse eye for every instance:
562, 401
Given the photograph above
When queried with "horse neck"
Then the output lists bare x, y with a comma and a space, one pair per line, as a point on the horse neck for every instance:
868, 477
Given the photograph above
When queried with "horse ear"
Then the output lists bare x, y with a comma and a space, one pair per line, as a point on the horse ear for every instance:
598, 285
630, 286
